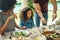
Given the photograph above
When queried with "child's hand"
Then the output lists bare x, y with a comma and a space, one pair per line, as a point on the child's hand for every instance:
24, 28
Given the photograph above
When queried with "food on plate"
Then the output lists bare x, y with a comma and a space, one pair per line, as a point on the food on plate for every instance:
47, 28
43, 28
48, 32
20, 33
52, 35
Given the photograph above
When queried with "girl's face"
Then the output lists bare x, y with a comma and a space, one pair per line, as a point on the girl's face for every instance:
29, 14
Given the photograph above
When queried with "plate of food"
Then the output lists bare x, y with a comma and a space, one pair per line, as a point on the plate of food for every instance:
50, 35
55, 36
47, 28
18, 33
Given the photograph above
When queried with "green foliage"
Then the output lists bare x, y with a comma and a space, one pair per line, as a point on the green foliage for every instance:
30, 3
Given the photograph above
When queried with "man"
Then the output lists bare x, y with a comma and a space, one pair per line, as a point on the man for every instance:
41, 8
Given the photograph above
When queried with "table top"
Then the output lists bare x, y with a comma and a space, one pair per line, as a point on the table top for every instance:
36, 33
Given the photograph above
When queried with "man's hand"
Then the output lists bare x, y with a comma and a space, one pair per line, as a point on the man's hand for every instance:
54, 3
54, 16
43, 20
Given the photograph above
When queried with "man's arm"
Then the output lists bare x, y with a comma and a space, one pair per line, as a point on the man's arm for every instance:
54, 9
54, 5
38, 10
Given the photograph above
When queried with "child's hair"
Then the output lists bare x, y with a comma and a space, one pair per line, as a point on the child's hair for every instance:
23, 14
7, 4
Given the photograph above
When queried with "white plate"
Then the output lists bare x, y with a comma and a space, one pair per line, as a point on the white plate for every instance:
47, 28
26, 32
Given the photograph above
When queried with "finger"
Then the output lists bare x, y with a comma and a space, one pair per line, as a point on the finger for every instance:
14, 16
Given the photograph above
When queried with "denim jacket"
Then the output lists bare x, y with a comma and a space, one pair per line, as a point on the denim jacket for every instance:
29, 23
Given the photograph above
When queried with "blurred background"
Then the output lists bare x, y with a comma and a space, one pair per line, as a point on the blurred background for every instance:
29, 3
24, 3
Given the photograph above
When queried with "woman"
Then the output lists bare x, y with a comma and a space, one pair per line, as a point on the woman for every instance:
7, 16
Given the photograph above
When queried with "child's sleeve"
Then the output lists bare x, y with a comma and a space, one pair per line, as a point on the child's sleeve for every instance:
21, 23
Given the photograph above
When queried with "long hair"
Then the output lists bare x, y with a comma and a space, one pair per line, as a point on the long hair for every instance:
23, 14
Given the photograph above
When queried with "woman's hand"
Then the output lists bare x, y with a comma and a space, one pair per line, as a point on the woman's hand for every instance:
11, 17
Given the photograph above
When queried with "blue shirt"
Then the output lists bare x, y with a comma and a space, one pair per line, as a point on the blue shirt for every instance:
29, 23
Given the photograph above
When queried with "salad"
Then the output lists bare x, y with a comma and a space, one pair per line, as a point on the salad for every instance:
21, 33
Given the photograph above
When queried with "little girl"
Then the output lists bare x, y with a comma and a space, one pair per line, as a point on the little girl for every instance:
26, 18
